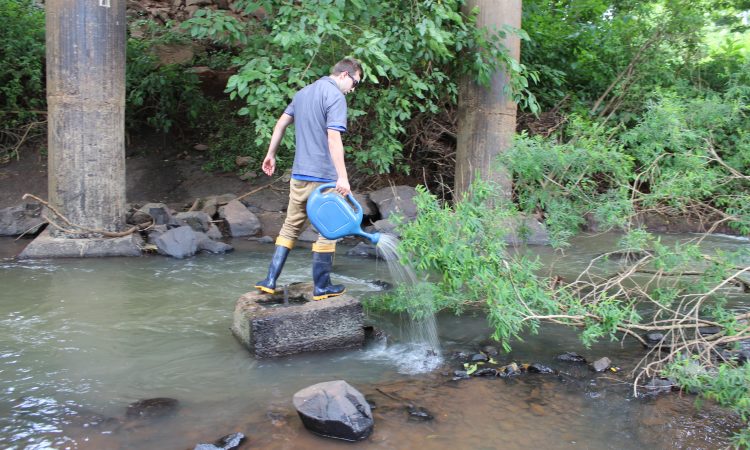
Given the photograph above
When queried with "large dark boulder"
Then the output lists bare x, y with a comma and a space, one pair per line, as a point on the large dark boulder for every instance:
197, 220
395, 200
158, 212
19, 219
240, 221
178, 242
206, 244
369, 209
334, 409
525, 230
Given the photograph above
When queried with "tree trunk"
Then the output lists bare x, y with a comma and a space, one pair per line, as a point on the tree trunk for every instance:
86, 111
487, 117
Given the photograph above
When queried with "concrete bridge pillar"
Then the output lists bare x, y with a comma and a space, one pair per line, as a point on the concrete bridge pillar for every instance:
86, 44
487, 116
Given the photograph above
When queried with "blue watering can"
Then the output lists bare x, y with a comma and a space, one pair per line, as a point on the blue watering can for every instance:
333, 216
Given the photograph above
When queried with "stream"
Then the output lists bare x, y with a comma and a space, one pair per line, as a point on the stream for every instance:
81, 339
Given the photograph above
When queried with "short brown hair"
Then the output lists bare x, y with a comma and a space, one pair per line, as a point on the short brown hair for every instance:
349, 65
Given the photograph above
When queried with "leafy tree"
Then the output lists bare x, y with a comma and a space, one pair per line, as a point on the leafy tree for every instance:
22, 50
157, 95
610, 56
685, 156
412, 52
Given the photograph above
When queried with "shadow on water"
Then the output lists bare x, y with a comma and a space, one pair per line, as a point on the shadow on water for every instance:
80, 340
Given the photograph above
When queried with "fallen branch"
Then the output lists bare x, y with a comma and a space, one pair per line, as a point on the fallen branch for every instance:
258, 189
104, 233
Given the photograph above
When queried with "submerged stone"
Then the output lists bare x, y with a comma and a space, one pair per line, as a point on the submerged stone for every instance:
334, 409
653, 339
601, 364
460, 355
659, 385
479, 357
419, 414
539, 368
490, 350
460, 375
152, 408
572, 357
509, 370
382, 285
486, 372
228, 442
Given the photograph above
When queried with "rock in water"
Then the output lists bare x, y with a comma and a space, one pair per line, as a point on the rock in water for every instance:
178, 242
572, 357
539, 368
419, 414
152, 408
228, 442
334, 409
601, 364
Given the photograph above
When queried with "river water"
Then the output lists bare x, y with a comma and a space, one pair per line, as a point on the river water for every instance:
82, 339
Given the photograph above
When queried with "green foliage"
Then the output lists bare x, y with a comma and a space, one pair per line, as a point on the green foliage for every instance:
216, 26
159, 96
465, 247
412, 52
683, 153
566, 181
232, 137
21, 61
625, 51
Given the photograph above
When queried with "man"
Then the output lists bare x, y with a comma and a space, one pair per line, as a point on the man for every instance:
318, 112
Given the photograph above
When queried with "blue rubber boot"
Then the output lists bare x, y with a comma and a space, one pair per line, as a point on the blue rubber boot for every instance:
322, 265
277, 263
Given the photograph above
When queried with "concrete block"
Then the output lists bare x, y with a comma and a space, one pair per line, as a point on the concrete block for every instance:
269, 328
47, 246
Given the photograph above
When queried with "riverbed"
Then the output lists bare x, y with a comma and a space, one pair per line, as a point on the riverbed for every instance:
81, 339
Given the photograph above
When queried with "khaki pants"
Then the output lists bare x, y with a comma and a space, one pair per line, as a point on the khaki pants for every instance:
296, 217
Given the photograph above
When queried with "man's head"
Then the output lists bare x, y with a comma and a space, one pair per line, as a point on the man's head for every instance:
347, 73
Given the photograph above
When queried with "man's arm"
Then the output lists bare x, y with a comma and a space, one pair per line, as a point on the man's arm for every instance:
336, 148
269, 163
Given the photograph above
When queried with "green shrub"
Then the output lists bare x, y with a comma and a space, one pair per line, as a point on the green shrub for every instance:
160, 96
413, 54
21, 61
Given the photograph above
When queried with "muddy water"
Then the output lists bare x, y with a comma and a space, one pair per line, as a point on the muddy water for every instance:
82, 339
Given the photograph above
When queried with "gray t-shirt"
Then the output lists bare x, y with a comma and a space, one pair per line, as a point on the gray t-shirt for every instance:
316, 108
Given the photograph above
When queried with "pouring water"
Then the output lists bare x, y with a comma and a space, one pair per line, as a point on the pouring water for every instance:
334, 217
420, 350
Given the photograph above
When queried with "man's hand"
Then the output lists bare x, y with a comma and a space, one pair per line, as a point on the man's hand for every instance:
269, 165
342, 187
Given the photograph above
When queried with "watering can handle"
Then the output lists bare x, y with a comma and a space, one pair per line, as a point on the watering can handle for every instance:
354, 202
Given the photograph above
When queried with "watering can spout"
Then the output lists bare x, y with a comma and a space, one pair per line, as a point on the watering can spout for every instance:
372, 237
334, 217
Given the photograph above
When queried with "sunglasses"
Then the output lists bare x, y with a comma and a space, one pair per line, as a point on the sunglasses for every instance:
355, 81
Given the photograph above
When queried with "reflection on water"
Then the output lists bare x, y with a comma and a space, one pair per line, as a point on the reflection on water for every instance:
82, 339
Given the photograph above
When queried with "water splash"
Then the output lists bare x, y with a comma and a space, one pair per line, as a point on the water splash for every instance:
420, 351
